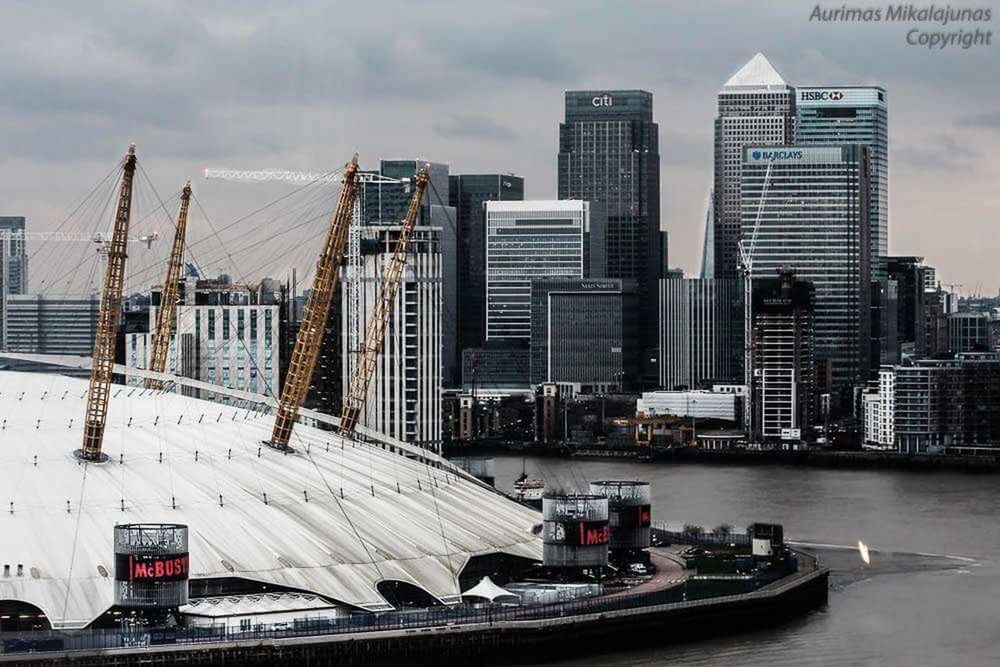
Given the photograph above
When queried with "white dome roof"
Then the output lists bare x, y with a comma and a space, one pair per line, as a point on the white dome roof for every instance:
175, 459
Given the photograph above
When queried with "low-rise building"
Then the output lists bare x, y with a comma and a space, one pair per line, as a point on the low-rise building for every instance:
697, 403
937, 406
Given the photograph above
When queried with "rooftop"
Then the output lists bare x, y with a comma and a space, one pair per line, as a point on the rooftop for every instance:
757, 73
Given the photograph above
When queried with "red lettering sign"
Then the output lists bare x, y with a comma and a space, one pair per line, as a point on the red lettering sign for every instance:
151, 568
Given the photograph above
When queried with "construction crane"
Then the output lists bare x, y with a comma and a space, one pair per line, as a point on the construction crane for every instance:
746, 258
9, 237
364, 367
168, 298
107, 320
310, 336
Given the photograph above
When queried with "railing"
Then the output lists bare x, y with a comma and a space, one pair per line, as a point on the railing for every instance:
677, 597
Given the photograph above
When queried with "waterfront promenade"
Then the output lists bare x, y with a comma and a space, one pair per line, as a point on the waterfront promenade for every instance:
667, 611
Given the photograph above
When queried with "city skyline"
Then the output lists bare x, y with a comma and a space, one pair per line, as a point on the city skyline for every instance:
485, 102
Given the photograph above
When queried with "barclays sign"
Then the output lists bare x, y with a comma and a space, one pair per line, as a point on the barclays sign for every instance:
758, 155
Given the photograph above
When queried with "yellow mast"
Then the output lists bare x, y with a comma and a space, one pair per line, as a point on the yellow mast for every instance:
160, 343
310, 337
364, 369
107, 322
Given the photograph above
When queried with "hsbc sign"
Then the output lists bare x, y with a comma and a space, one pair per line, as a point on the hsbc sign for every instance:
821, 95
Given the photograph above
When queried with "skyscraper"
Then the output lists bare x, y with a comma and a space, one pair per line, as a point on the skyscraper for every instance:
468, 195
784, 383
404, 397
584, 332
386, 203
757, 107
526, 240
696, 323
609, 153
853, 115
15, 255
813, 220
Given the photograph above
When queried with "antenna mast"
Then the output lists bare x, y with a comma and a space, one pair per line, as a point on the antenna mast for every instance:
168, 298
317, 310
107, 322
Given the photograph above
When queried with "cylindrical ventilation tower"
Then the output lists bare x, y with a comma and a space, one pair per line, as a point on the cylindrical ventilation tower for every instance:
575, 530
628, 512
151, 565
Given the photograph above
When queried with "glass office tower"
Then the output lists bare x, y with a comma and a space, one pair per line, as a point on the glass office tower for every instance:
814, 221
853, 115
527, 240
609, 153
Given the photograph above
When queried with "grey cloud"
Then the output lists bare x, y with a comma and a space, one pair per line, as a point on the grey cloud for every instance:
473, 126
987, 119
936, 153
298, 85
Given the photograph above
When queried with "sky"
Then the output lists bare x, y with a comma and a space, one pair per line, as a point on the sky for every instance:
303, 85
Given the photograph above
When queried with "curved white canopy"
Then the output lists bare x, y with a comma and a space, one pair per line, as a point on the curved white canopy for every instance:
334, 518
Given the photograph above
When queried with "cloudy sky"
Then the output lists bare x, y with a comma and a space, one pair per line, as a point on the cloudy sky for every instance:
479, 85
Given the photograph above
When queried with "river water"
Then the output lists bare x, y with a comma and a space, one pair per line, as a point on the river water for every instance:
931, 595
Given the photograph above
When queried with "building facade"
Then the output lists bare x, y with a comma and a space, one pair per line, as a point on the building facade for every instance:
969, 332
235, 346
810, 205
528, 240
14, 256
696, 403
497, 368
756, 107
386, 204
838, 115
948, 405
697, 318
609, 153
783, 388
52, 324
584, 332
404, 396
878, 405
468, 195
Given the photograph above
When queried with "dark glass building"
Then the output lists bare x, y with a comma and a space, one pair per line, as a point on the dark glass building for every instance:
609, 153
784, 382
497, 366
853, 115
386, 203
468, 194
584, 332
948, 405
813, 220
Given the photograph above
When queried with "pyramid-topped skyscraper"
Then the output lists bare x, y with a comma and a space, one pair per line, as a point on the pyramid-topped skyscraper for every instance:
757, 73
756, 106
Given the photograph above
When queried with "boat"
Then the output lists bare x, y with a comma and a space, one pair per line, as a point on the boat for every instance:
528, 491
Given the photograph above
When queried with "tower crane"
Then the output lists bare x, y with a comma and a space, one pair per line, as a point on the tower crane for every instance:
746, 259
168, 298
364, 368
9, 237
314, 317
107, 320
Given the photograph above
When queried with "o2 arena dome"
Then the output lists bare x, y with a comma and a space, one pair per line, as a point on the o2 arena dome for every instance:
360, 524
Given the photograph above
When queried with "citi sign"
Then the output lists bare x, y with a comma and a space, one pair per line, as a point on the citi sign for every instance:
821, 95
604, 100
776, 155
